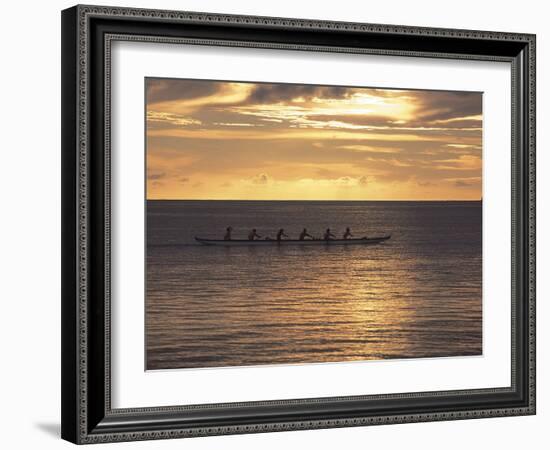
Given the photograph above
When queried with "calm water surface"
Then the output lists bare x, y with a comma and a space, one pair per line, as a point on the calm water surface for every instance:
416, 295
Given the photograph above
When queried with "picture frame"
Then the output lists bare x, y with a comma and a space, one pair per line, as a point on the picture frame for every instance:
87, 413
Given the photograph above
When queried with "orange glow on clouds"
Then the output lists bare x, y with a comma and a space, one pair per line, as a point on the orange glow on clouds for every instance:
229, 140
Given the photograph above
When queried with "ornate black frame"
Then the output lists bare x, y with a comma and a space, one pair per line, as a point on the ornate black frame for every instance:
87, 32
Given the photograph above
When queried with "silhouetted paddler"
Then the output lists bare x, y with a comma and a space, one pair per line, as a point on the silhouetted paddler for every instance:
304, 234
347, 234
281, 234
227, 236
252, 235
328, 235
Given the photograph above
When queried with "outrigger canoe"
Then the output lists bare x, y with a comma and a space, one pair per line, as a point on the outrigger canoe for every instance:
262, 242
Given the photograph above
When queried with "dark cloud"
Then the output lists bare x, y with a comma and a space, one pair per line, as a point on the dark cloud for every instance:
276, 93
161, 90
462, 184
444, 105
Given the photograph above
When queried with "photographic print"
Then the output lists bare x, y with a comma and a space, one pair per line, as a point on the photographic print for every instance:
294, 223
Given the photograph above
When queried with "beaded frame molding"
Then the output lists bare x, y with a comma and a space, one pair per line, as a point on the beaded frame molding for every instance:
87, 35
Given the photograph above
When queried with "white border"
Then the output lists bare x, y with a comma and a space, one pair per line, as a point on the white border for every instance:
134, 387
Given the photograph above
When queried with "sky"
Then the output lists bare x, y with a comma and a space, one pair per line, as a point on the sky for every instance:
274, 141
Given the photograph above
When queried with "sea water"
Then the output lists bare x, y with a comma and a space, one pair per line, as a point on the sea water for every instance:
416, 295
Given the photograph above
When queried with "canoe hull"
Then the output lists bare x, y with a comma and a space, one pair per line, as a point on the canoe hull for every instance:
287, 242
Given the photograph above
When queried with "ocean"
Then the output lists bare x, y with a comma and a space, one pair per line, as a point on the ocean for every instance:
417, 295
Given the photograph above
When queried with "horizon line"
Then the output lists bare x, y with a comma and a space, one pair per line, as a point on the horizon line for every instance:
305, 200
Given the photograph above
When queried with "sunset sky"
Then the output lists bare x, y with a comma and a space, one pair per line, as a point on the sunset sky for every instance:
263, 141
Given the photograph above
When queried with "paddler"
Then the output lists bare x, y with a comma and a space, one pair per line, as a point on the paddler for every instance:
347, 234
253, 235
328, 235
281, 234
227, 236
305, 234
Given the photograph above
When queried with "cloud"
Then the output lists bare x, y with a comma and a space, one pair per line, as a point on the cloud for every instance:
371, 149
171, 118
462, 162
343, 181
316, 141
327, 173
170, 89
277, 93
363, 120
262, 178
444, 105
156, 175
239, 124
464, 146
